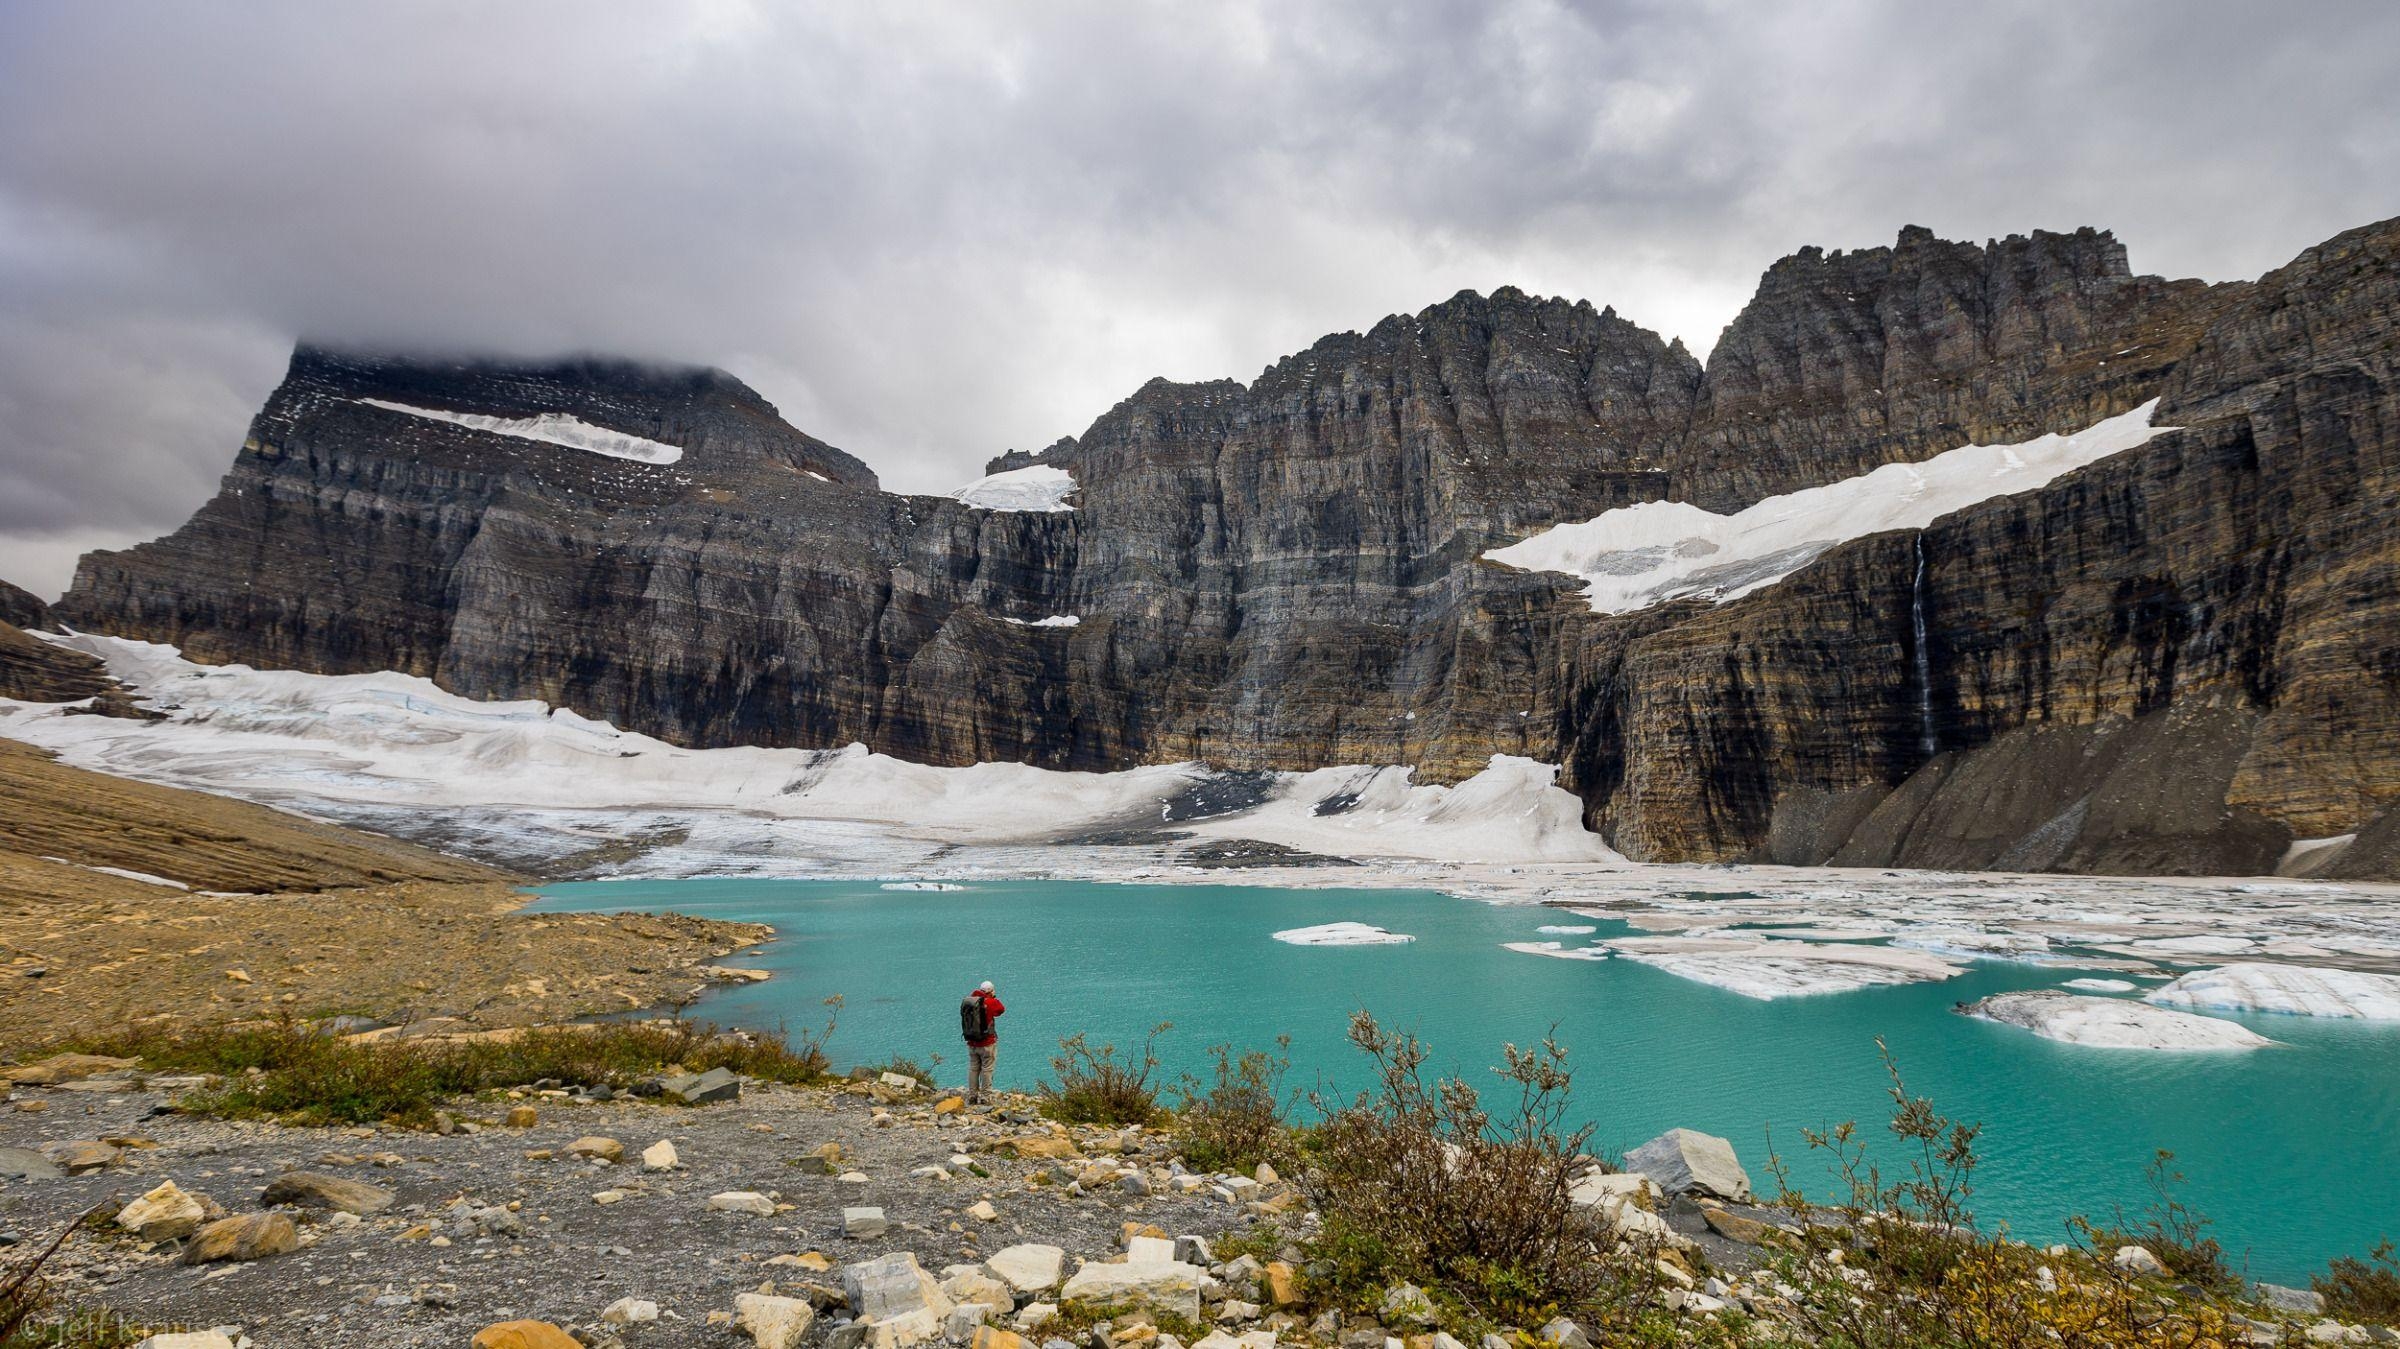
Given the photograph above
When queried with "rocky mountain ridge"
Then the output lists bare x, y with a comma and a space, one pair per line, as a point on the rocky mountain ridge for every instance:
2171, 660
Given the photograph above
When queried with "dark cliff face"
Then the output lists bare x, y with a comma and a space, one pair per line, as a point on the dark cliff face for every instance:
2172, 660
2177, 659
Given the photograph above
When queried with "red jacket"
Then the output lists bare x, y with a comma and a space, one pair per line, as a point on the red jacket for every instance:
992, 1008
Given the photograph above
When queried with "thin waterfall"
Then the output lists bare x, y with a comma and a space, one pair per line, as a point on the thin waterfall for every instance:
1924, 657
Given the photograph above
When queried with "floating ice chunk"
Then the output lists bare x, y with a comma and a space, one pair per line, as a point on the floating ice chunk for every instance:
921, 885
2298, 990
1038, 487
2111, 1023
1975, 943
2196, 946
1556, 950
1565, 930
1784, 969
1342, 934
1637, 556
2102, 985
551, 428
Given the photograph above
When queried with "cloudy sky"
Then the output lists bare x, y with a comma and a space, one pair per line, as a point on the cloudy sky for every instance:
932, 232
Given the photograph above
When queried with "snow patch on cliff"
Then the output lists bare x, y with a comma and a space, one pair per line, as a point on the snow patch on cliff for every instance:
1512, 811
1038, 487
550, 428
1638, 556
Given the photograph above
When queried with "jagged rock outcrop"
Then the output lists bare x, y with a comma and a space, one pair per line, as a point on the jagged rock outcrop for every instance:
2175, 659
1847, 360
22, 608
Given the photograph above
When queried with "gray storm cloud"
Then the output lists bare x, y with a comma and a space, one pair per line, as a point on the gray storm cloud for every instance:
929, 233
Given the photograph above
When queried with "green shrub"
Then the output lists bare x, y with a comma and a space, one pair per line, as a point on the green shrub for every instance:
2171, 1230
287, 1070
1239, 1119
1418, 1179
1095, 1086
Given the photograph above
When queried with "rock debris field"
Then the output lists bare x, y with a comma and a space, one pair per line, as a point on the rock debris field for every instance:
408, 1237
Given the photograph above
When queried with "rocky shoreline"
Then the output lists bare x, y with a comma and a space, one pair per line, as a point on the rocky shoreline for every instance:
873, 1213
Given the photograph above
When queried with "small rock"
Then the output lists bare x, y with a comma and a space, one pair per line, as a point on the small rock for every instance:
864, 1224
743, 1201
989, 1337
660, 1156
164, 1214
1029, 1268
774, 1322
188, 1339
1566, 1334
523, 1117
982, 1211
1160, 1287
523, 1335
2139, 1262
709, 1088
608, 1196
2304, 1301
630, 1311
314, 1189
1407, 1303
1281, 1284
26, 1164
251, 1236
598, 1149
82, 1156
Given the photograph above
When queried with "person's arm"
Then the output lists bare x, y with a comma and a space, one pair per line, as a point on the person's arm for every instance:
994, 1003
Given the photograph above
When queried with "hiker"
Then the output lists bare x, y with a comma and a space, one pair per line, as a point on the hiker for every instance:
978, 1018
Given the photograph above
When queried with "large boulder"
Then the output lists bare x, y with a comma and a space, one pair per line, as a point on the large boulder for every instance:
315, 1189
1685, 1161
163, 1214
1028, 1269
250, 1236
1162, 1288
891, 1286
709, 1088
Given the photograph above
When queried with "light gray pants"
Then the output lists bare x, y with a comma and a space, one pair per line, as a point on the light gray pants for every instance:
979, 1070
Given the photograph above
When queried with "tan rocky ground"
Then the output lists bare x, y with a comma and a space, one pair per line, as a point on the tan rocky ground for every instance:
250, 911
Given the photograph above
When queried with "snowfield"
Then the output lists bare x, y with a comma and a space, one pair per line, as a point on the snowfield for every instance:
1637, 556
2112, 1023
2296, 990
1039, 487
550, 428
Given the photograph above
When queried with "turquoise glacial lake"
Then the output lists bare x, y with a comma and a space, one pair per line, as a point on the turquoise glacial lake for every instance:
2294, 1152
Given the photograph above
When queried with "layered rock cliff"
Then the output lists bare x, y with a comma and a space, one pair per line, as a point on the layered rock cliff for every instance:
2174, 659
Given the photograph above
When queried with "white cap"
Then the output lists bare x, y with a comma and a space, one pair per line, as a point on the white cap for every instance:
985, 986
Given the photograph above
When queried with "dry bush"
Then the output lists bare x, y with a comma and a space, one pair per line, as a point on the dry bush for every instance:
1095, 1086
2363, 1290
1241, 1118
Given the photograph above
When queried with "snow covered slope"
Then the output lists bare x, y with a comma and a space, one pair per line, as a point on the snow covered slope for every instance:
396, 741
1637, 556
1039, 487
551, 428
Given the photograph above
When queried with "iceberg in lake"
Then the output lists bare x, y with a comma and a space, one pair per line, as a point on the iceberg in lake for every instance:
2111, 1023
2298, 990
1342, 934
